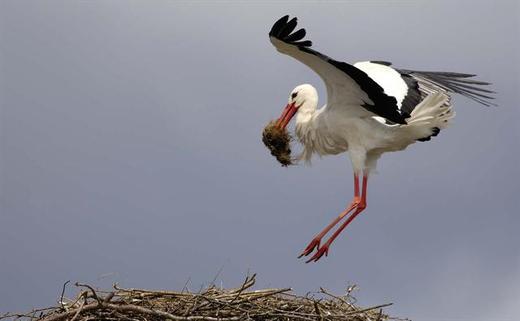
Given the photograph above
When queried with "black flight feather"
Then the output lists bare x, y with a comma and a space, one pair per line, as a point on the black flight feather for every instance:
295, 36
287, 28
456, 83
278, 24
381, 62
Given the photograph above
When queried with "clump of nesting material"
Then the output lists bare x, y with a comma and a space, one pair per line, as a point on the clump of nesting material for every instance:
278, 141
209, 304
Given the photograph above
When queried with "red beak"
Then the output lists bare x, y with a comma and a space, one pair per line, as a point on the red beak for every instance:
286, 116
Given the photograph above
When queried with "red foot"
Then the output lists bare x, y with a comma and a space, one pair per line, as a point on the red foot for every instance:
322, 250
315, 243
358, 204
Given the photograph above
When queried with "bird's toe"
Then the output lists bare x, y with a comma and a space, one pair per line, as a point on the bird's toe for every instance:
314, 244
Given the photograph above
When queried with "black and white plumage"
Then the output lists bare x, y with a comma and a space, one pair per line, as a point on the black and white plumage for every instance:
372, 108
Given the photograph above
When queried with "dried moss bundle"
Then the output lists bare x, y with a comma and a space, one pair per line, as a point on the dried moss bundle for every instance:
278, 141
210, 304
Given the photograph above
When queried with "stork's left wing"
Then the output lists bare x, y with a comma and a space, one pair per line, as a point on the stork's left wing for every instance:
347, 86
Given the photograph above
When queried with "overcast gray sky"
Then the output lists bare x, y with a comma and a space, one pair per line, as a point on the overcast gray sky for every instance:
130, 152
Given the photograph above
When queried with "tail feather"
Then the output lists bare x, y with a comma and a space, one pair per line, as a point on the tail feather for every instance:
430, 116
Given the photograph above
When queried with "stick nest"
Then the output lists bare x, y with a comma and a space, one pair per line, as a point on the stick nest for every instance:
211, 304
278, 141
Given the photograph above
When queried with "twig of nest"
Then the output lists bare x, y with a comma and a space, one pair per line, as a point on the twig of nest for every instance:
278, 141
211, 304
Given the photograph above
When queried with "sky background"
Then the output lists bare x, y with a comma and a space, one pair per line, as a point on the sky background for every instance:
130, 152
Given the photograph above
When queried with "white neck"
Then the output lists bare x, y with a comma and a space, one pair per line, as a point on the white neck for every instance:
306, 112
307, 129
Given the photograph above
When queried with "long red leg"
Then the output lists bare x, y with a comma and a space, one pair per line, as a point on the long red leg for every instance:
359, 208
315, 243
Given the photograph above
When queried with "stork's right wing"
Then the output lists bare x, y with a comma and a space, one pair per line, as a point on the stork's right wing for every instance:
347, 86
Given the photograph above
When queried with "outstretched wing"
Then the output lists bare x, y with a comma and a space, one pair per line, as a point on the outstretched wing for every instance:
347, 86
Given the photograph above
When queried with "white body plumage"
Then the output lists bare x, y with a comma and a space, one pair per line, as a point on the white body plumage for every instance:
330, 131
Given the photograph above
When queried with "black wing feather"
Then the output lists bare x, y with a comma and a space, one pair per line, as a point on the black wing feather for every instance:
295, 36
288, 28
279, 28
454, 82
279, 24
413, 96
381, 62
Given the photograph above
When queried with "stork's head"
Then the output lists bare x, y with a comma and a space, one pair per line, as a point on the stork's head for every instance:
302, 99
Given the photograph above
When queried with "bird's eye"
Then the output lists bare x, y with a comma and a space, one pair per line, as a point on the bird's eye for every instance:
294, 95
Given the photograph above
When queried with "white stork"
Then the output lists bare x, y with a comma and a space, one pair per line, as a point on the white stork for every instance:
372, 108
